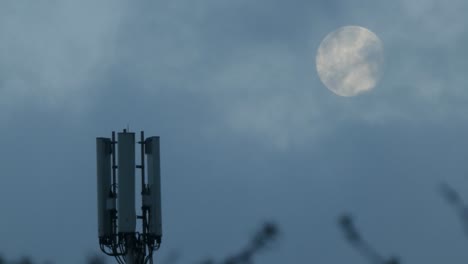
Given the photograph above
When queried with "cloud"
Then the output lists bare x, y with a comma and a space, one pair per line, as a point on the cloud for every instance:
252, 65
52, 52
257, 71
445, 20
260, 95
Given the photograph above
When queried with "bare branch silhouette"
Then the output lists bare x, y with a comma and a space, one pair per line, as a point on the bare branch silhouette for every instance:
260, 241
172, 258
96, 259
364, 248
454, 199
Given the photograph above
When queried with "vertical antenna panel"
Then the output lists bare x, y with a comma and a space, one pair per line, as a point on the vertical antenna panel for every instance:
103, 162
126, 177
154, 183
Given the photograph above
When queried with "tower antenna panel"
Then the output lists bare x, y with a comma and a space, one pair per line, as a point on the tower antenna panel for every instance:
126, 182
103, 160
154, 185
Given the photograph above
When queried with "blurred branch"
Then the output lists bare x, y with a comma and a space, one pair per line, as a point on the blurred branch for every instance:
25, 260
172, 258
96, 259
356, 240
453, 198
260, 241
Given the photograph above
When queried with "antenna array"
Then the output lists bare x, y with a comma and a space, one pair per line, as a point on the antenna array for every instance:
117, 218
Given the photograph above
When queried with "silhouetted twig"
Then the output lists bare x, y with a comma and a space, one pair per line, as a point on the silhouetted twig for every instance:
353, 236
454, 199
260, 241
96, 259
172, 258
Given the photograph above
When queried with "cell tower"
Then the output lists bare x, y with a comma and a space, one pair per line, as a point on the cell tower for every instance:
117, 218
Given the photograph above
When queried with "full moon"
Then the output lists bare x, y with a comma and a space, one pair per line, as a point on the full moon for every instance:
349, 60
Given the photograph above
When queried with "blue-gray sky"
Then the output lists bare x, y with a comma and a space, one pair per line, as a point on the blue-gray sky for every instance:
248, 131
